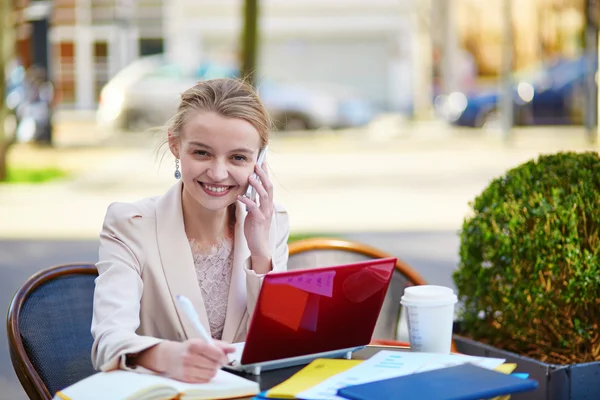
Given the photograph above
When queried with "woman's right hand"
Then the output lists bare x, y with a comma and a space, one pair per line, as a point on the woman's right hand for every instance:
192, 361
196, 361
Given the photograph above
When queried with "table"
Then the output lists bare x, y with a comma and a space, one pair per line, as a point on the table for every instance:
268, 379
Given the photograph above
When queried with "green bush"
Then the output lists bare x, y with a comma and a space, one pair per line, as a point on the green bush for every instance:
529, 273
34, 175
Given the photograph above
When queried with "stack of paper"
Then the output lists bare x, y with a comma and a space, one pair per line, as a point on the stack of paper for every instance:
390, 364
322, 378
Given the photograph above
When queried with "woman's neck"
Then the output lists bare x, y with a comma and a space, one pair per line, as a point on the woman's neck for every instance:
204, 226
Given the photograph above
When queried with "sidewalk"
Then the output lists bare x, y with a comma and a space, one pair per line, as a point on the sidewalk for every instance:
389, 177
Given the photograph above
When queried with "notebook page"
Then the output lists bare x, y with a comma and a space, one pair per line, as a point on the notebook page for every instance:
116, 385
223, 385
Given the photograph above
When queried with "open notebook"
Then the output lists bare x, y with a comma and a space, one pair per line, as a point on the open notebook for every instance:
128, 385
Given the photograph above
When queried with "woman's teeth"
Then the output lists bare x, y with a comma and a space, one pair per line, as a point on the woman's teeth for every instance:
215, 188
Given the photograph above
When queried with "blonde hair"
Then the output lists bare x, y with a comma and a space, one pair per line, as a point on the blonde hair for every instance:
230, 98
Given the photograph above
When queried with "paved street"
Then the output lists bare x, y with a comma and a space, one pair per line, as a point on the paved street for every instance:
401, 187
411, 179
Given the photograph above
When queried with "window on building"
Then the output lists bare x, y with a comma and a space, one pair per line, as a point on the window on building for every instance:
100, 67
64, 68
150, 46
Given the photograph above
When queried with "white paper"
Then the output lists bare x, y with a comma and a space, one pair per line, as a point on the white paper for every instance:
390, 364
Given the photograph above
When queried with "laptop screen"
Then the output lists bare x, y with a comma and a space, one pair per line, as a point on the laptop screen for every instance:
316, 310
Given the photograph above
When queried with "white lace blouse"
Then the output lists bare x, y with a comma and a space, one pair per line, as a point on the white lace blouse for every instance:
213, 270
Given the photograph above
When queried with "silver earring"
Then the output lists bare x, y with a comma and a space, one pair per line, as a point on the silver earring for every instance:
177, 174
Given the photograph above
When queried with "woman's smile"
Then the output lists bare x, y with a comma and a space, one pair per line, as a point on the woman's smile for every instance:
215, 190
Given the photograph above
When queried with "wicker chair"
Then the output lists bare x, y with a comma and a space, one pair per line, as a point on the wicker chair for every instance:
48, 328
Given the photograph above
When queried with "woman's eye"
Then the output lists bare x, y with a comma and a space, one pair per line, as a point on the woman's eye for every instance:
240, 158
201, 152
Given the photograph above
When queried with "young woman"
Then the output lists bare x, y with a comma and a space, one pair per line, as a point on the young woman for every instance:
202, 239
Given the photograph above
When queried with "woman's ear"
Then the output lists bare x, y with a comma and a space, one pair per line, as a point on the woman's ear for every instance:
174, 144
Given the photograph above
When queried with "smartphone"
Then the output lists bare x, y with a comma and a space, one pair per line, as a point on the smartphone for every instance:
251, 191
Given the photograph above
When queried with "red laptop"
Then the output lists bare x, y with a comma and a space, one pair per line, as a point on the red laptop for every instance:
313, 313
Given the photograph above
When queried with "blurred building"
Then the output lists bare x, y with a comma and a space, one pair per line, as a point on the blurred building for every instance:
370, 47
393, 52
366, 46
83, 43
363, 45
542, 29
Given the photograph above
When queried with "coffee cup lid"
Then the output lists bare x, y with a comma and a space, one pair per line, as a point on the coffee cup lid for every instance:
428, 295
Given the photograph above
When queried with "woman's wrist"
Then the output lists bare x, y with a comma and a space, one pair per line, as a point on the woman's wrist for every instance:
155, 358
261, 264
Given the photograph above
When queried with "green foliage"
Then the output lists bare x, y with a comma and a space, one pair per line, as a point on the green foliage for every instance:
32, 175
299, 236
529, 273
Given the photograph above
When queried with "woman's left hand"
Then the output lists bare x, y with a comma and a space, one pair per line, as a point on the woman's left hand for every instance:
258, 220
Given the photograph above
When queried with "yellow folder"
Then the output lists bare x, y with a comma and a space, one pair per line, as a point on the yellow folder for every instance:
314, 373
506, 368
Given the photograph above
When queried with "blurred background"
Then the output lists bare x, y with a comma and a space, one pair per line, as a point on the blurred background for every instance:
390, 115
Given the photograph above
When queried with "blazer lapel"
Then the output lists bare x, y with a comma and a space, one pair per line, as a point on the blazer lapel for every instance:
176, 258
236, 305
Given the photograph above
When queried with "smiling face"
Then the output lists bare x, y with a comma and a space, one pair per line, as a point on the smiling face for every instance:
217, 155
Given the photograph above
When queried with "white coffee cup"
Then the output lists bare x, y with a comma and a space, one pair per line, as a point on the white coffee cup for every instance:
430, 310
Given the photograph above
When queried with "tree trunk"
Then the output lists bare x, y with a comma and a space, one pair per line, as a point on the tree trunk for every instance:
506, 97
5, 140
4, 145
422, 60
250, 40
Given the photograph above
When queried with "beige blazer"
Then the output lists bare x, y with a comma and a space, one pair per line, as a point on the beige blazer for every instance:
145, 261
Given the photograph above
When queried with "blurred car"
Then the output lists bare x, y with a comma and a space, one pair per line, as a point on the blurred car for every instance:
553, 94
147, 92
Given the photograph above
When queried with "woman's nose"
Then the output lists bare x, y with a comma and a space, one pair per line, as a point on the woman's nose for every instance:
217, 171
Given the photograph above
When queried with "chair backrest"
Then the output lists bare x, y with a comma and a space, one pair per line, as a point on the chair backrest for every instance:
48, 328
321, 252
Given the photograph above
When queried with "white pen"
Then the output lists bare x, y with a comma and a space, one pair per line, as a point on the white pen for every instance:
188, 308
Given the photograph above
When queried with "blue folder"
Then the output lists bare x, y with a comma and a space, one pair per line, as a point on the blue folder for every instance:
462, 382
